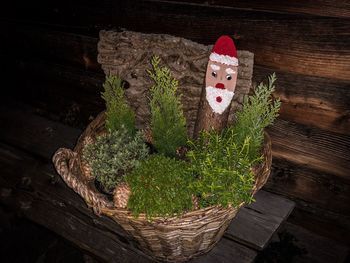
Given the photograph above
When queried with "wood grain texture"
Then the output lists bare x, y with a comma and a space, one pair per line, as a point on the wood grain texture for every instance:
60, 47
254, 224
85, 17
292, 43
315, 101
307, 45
207, 119
320, 189
225, 252
37, 136
67, 91
319, 249
314, 148
321, 221
335, 121
321, 199
59, 86
326, 100
332, 8
60, 92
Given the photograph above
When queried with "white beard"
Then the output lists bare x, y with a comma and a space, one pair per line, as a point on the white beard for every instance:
214, 93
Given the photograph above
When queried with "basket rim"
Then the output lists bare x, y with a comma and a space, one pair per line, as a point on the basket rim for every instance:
200, 214
156, 235
96, 126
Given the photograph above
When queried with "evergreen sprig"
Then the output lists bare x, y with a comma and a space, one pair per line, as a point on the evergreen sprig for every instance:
259, 111
113, 155
168, 123
118, 112
222, 169
159, 187
222, 162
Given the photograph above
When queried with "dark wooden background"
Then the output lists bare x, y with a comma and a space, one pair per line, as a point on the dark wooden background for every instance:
48, 60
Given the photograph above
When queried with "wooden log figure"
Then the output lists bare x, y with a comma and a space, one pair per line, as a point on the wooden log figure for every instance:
220, 84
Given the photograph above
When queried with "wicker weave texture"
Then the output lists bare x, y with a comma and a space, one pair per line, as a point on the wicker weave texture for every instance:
174, 239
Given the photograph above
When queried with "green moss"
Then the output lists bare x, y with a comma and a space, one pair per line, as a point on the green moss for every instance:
118, 112
168, 123
113, 155
159, 187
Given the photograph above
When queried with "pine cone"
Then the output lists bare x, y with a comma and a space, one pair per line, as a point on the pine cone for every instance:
121, 195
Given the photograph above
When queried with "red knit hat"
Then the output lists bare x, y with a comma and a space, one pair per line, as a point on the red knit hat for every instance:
224, 51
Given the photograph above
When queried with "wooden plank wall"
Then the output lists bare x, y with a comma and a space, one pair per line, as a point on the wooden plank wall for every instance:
48, 59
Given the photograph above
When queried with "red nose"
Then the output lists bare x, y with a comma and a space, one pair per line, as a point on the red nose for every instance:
220, 86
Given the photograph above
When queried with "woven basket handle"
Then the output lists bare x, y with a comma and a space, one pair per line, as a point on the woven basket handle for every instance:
64, 161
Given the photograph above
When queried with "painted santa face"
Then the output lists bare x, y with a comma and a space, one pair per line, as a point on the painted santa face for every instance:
220, 85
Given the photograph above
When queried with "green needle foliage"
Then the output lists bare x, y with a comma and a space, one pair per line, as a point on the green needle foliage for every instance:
118, 112
168, 123
222, 162
159, 187
222, 170
113, 155
259, 111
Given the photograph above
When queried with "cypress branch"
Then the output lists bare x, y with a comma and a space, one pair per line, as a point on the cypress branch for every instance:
118, 112
168, 123
259, 111
222, 162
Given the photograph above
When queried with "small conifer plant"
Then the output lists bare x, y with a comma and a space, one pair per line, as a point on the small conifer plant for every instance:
168, 123
118, 112
117, 152
259, 111
222, 170
221, 163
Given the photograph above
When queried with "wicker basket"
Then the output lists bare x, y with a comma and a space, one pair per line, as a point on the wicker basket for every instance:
174, 239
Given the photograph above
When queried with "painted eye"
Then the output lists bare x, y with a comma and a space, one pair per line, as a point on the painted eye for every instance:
228, 77
214, 74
